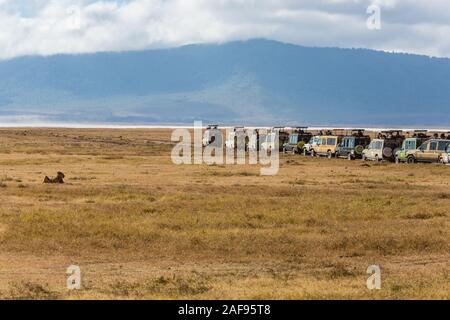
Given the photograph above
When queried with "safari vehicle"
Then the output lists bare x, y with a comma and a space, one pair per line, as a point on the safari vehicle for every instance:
430, 151
238, 134
256, 138
326, 146
212, 136
297, 140
269, 143
418, 138
352, 146
307, 148
385, 146
445, 158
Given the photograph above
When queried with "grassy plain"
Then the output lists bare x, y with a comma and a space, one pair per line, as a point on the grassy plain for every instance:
141, 227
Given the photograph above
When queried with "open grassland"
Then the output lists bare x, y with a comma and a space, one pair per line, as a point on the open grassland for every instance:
141, 227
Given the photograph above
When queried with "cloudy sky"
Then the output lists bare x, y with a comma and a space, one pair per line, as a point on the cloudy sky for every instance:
74, 26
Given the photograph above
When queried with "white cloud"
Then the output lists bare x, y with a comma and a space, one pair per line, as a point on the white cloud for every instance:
67, 26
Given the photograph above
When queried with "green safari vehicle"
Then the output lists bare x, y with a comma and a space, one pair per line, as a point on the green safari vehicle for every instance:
419, 137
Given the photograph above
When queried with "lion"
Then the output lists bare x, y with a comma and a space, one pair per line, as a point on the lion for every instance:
59, 178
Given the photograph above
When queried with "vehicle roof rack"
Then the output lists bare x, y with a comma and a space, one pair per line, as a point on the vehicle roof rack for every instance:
212, 126
299, 129
358, 132
392, 131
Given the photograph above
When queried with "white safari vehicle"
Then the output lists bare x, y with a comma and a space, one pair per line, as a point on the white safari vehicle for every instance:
256, 138
275, 135
384, 147
308, 147
445, 158
212, 136
238, 134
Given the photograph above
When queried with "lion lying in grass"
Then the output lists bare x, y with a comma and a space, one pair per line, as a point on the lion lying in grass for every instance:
59, 178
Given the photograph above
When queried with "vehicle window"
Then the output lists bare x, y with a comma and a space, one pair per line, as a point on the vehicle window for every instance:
293, 139
442, 145
424, 146
331, 141
324, 141
350, 143
410, 144
347, 143
433, 145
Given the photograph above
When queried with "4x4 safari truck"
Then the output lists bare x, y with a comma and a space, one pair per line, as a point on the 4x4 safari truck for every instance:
430, 151
269, 143
418, 138
352, 146
445, 159
256, 138
238, 135
385, 146
307, 148
212, 136
297, 140
326, 146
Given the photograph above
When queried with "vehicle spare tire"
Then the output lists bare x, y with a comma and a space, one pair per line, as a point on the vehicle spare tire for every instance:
359, 149
387, 152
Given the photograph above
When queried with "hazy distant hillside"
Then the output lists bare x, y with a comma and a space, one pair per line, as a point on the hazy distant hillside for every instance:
257, 81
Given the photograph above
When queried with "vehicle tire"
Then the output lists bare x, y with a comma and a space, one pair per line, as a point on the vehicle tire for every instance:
349, 157
410, 160
284, 150
387, 152
359, 149
329, 155
313, 153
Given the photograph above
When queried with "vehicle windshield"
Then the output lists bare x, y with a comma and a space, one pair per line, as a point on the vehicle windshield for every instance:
377, 145
409, 144
314, 140
293, 139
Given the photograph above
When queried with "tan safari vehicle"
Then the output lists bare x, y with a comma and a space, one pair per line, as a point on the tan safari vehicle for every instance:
326, 146
430, 151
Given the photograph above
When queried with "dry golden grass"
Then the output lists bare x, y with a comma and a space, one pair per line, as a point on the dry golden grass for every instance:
141, 227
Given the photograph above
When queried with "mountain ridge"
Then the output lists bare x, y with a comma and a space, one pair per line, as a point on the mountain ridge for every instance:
255, 81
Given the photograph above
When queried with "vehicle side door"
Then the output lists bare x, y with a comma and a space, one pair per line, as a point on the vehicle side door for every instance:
331, 144
431, 153
323, 145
